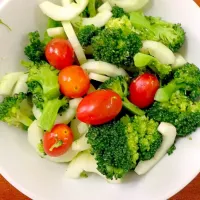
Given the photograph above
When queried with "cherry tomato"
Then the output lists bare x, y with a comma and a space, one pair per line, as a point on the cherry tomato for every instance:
58, 141
99, 107
74, 81
59, 53
143, 90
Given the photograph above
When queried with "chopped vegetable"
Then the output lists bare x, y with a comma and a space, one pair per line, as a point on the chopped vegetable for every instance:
8, 82
57, 32
179, 60
59, 13
80, 144
154, 28
21, 85
186, 78
168, 132
162, 53
103, 68
74, 42
98, 77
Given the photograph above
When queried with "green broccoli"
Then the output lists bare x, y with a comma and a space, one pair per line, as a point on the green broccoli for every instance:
116, 46
86, 33
91, 9
15, 112
154, 28
118, 12
119, 145
142, 61
119, 85
35, 49
46, 76
50, 112
122, 23
179, 111
185, 78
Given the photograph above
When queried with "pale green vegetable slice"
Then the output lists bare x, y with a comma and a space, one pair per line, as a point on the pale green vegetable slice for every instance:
60, 13
57, 32
98, 77
8, 82
21, 85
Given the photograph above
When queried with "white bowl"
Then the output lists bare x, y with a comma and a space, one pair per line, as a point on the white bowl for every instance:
42, 179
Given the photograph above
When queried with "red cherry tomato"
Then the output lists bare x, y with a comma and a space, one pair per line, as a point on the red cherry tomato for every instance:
74, 81
59, 53
99, 107
143, 90
58, 141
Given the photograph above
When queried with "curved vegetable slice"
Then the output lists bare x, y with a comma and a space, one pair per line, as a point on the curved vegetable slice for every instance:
104, 7
74, 103
36, 112
59, 13
168, 132
65, 2
179, 60
35, 136
84, 162
74, 42
57, 32
103, 68
98, 77
66, 157
80, 144
83, 128
8, 81
74, 126
99, 20
66, 117
159, 51
131, 5
21, 85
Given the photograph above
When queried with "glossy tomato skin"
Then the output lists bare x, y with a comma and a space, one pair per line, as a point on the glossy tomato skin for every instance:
59, 53
60, 132
99, 107
74, 81
143, 89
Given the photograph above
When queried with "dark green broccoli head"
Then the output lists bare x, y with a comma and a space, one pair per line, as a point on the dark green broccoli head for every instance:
186, 78
118, 12
179, 111
110, 148
156, 29
86, 33
113, 46
12, 111
35, 50
119, 145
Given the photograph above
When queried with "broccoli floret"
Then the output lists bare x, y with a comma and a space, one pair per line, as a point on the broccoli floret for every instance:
116, 46
185, 78
122, 23
46, 76
119, 145
119, 85
86, 33
35, 49
154, 28
179, 111
50, 112
142, 61
14, 111
118, 12
35, 89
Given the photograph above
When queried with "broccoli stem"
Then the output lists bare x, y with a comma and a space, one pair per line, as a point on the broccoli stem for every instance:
132, 108
50, 112
165, 93
92, 8
24, 119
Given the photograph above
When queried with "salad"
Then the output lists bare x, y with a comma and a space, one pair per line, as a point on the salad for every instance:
104, 90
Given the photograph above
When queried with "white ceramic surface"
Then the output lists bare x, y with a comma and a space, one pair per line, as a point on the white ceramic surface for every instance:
41, 179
